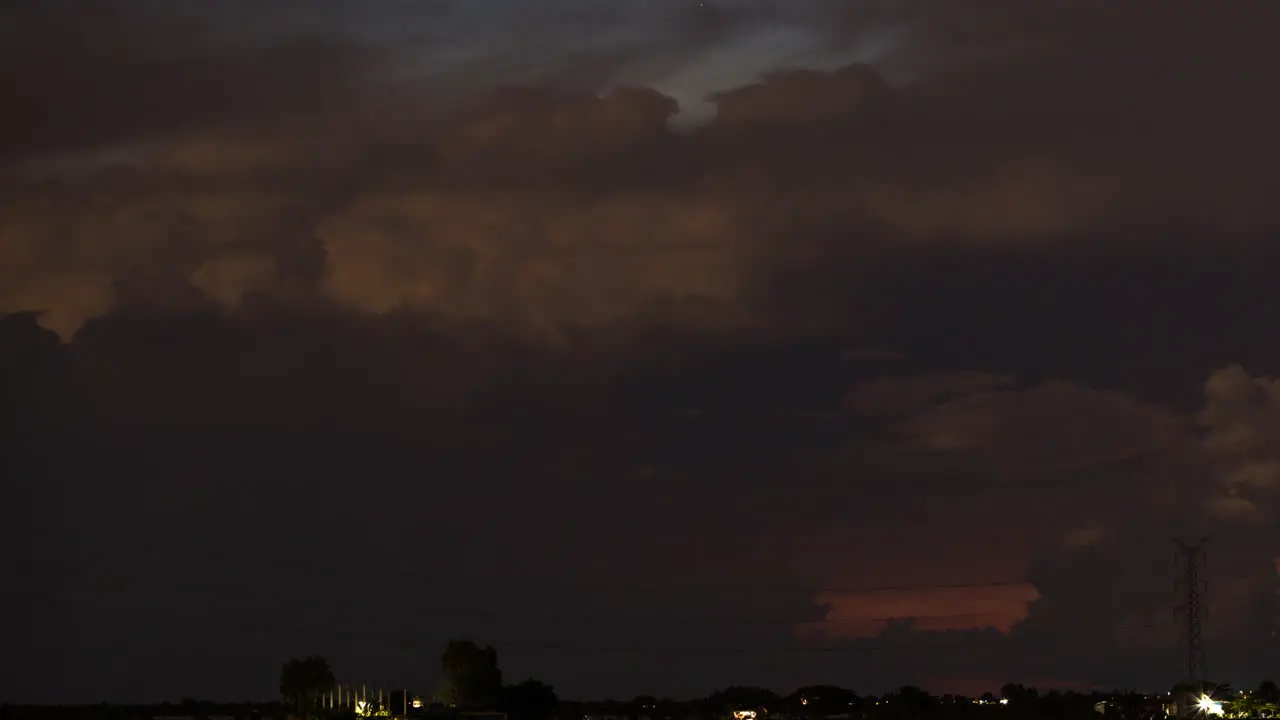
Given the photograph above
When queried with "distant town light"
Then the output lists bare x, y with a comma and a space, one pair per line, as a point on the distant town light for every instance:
1004, 701
744, 715
417, 702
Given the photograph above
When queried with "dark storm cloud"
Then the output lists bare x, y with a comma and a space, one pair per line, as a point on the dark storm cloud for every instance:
850, 166
100, 76
331, 306
1091, 513
168, 505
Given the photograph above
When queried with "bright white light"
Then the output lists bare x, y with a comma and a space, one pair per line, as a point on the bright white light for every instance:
1004, 701
1209, 706
417, 702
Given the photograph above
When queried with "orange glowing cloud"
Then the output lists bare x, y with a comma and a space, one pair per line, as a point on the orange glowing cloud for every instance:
851, 616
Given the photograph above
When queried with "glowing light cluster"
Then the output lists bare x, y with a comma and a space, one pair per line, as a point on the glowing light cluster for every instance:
1209, 706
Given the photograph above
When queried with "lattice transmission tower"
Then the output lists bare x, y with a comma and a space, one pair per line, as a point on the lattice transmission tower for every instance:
1192, 588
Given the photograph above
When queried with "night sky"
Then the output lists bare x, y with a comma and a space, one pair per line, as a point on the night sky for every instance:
664, 345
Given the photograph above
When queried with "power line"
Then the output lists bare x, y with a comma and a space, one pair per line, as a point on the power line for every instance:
600, 587
161, 592
711, 620
588, 618
162, 580
701, 650
752, 587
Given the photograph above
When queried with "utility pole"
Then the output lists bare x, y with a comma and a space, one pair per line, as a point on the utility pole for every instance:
1193, 587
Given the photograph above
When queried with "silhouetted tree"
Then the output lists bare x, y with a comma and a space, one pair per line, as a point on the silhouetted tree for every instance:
1052, 705
741, 698
302, 682
1268, 692
822, 700
472, 677
529, 700
1018, 695
911, 702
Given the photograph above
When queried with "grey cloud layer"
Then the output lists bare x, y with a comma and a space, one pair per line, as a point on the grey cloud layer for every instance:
545, 212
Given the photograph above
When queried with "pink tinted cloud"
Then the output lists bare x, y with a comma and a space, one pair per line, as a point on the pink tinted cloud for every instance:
855, 615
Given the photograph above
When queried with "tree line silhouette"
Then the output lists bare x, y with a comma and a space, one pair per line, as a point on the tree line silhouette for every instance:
473, 683
472, 686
